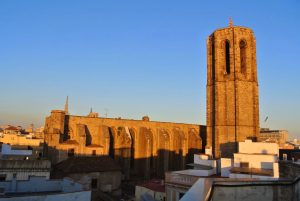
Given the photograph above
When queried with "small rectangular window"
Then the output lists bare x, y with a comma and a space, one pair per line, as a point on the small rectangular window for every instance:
94, 183
94, 153
244, 164
71, 152
2, 177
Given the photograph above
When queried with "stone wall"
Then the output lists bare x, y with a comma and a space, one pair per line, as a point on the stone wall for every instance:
141, 147
289, 169
256, 190
232, 89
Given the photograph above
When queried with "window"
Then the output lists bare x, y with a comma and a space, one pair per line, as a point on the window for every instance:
181, 195
227, 57
71, 152
94, 153
243, 56
244, 164
2, 177
94, 183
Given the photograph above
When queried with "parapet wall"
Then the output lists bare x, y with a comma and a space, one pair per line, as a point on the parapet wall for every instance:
289, 169
40, 189
285, 190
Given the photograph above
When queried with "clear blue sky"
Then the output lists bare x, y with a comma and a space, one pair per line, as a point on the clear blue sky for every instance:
139, 57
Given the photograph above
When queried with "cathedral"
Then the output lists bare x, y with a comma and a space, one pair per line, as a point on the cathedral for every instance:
149, 148
142, 147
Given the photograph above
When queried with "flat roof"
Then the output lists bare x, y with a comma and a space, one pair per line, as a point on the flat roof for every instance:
154, 185
254, 171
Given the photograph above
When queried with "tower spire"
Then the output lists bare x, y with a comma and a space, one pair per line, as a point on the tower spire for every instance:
230, 22
67, 105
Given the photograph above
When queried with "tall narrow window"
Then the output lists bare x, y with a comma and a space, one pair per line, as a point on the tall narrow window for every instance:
243, 56
227, 57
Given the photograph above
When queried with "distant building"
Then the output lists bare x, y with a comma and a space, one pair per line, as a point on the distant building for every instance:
14, 138
12, 130
39, 133
42, 189
30, 129
100, 174
278, 136
24, 169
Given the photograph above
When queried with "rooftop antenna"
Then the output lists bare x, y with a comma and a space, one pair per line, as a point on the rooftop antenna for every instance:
265, 121
106, 110
230, 22
67, 106
91, 110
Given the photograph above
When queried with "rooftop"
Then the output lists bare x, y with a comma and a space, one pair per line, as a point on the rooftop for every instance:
154, 185
254, 171
12, 128
85, 165
25, 164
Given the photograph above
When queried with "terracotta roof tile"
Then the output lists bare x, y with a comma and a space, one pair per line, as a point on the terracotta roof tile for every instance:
154, 185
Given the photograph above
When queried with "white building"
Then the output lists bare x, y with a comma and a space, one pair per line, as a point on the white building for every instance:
41, 189
24, 169
179, 182
254, 160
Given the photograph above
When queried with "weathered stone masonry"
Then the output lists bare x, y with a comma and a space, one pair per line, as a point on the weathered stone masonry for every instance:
232, 89
142, 147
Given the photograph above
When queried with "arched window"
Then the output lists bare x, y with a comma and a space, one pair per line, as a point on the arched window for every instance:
243, 56
227, 57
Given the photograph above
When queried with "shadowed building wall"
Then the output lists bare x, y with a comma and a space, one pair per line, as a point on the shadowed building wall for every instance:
232, 89
141, 147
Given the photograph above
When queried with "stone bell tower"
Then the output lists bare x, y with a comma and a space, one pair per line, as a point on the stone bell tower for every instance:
232, 89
